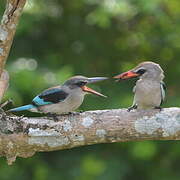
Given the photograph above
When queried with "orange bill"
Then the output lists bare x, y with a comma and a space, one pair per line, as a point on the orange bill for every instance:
126, 75
89, 90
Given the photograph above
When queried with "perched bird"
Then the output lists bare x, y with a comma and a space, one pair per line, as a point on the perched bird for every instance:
150, 88
62, 99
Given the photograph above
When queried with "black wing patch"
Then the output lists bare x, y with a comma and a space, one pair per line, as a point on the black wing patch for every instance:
53, 95
50, 96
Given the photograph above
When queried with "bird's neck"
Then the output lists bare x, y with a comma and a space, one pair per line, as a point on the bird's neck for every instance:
147, 81
153, 76
155, 79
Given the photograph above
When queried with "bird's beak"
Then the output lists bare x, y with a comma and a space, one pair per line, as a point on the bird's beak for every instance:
93, 80
126, 75
96, 79
89, 90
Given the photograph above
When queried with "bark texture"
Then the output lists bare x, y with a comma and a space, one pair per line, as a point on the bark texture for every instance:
8, 26
4, 83
22, 136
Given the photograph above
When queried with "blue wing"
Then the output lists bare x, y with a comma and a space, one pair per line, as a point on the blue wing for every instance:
50, 96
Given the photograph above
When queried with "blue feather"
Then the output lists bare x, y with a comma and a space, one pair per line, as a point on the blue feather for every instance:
47, 97
22, 108
40, 102
50, 96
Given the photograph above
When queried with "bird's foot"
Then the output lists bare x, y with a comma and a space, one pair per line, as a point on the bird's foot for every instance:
132, 107
71, 114
74, 113
159, 108
54, 116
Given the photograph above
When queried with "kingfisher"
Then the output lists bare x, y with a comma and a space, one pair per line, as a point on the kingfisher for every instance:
149, 91
62, 99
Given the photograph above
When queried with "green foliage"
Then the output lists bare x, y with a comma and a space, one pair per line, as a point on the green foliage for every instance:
144, 150
60, 38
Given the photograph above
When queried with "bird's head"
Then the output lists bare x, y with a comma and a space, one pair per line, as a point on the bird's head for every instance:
145, 70
77, 82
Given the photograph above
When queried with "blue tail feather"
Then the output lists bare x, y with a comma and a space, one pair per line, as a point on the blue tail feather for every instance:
22, 108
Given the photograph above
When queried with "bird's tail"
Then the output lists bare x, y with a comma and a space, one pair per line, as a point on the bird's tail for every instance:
22, 108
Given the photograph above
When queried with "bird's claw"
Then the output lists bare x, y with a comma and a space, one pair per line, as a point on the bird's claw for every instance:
132, 107
158, 108
74, 113
54, 116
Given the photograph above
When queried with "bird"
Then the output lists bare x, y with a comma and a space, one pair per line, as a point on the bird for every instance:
62, 99
149, 91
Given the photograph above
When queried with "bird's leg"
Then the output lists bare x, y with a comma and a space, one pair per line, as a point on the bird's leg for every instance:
158, 107
74, 113
81, 111
78, 112
53, 115
132, 107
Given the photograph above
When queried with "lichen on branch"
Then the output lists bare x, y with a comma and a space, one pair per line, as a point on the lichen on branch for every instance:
23, 136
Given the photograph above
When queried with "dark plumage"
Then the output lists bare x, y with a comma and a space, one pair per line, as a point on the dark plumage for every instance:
54, 95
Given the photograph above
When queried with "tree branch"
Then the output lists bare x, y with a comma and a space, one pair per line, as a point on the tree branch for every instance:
22, 136
8, 26
4, 83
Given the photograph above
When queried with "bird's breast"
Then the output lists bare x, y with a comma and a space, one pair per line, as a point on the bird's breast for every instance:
75, 100
71, 103
148, 93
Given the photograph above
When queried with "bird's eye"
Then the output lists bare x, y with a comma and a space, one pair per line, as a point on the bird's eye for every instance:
81, 83
141, 71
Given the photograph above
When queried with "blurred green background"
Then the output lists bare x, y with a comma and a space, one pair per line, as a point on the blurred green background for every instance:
60, 38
